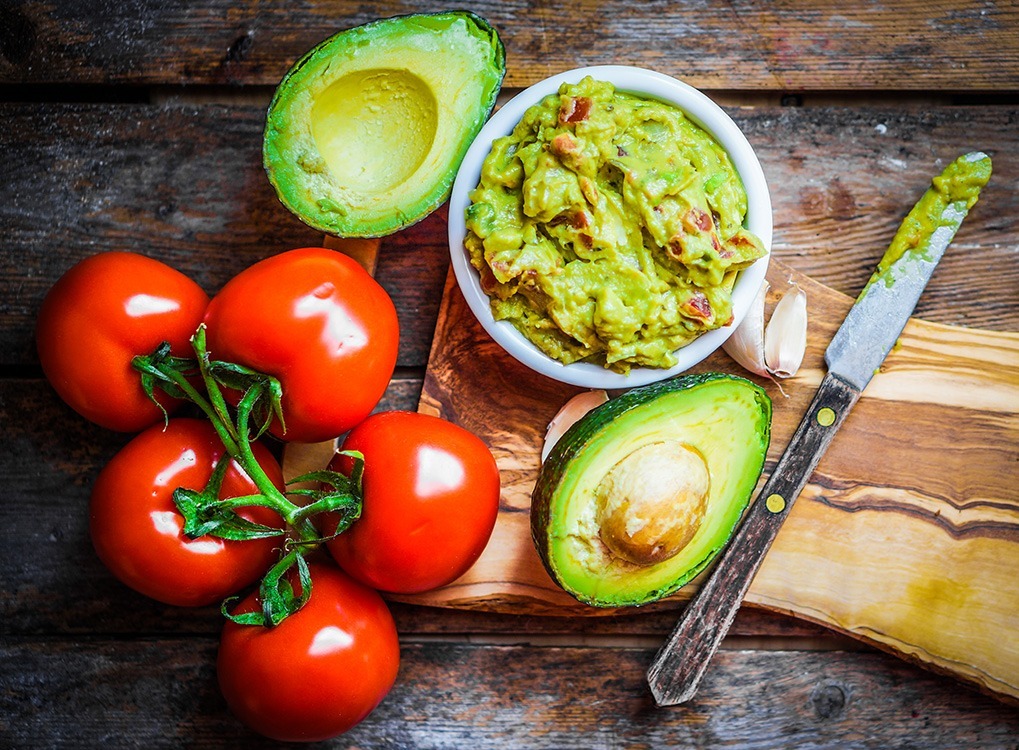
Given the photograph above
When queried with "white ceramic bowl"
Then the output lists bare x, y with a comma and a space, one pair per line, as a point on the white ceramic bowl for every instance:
698, 108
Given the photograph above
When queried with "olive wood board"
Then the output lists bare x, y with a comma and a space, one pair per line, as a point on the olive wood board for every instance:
906, 536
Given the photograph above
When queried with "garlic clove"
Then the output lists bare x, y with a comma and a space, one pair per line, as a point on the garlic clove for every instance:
785, 338
746, 344
776, 350
569, 415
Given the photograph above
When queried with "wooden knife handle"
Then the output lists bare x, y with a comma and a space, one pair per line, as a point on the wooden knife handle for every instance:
677, 669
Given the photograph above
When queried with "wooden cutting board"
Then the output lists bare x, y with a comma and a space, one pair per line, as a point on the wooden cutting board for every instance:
906, 537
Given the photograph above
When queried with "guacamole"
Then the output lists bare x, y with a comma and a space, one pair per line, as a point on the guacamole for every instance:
609, 228
947, 201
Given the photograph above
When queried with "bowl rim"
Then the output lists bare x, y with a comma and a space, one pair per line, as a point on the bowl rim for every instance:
642, 82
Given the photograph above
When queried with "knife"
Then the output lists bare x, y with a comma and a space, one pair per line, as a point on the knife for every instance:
857, 350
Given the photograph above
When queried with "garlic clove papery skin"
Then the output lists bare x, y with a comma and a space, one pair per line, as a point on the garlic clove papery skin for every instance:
570, 414
785, 338
746, 344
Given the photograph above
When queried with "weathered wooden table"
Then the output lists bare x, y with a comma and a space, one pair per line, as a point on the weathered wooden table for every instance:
137, 126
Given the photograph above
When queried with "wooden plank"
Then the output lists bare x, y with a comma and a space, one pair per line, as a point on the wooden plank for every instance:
639, 627
50, 577
109, 693
951, 45
185, 184
52, 582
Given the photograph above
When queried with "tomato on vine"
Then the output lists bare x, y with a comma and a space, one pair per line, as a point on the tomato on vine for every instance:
431, 497
320, 324
320, 671
139, 532
97, 317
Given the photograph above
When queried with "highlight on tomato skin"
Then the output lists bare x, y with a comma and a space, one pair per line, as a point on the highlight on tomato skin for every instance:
318, 673
101, 313
431, 498
137, 530
317, 321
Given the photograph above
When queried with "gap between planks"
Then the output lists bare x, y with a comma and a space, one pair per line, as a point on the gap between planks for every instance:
261, 96
567, 640
774, 643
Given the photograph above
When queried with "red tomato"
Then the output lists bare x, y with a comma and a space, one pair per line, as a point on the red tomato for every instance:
97, 317
137, 530
318, 322
431, 496
320, 671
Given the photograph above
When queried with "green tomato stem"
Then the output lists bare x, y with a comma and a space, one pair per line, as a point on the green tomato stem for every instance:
236, 440
229, 443
289, 511
236, 435
239, 445
247, 501
218, 403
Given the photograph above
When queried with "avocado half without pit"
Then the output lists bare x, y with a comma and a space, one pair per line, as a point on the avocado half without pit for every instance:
643, 491
365, 133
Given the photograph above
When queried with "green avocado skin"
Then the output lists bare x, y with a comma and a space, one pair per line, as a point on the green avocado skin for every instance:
447, 41
603, 419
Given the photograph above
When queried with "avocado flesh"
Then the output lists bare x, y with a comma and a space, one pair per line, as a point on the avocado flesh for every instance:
366, 132
394, 107
724, 419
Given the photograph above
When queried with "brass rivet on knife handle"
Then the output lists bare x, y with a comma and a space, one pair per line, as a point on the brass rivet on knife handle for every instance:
676, 671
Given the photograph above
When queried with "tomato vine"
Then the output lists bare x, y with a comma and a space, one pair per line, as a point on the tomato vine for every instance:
202, 381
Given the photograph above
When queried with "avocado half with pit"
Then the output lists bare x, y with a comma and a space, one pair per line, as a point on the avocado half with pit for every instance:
365, 133
640, 495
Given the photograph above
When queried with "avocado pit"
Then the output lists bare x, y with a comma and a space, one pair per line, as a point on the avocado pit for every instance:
652, 501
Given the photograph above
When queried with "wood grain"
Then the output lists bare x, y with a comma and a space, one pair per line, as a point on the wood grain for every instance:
493, 697
947, 45
907, 536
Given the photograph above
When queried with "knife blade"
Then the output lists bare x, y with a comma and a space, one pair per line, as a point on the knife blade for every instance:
855, 353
